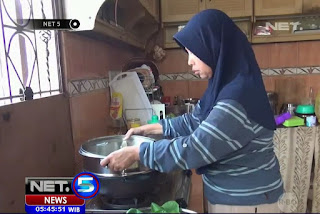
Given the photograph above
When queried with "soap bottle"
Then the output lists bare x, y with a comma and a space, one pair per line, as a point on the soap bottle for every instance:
154, 119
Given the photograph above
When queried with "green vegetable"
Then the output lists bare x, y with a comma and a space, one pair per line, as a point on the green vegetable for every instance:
168, 207
171, 207
134, 210
155, 208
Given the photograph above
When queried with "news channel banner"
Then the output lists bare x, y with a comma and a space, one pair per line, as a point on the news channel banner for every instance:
51, 24
60, 194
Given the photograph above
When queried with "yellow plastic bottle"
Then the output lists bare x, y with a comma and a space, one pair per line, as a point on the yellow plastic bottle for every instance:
116, 106
317, 106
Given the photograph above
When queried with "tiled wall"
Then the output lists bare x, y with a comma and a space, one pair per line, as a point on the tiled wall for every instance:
289, 69
86, 65
174, 79
301, 58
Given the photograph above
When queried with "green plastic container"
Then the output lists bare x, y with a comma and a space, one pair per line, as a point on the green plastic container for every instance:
294, 121
154, 119
305, 109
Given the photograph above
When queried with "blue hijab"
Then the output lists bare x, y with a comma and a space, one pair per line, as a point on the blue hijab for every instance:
213, 37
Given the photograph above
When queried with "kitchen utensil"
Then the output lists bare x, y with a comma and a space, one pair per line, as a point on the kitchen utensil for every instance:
305, 109
133, 123
97, 149
304, 116
134, 96
283, 117
288, 107
138, 61
190, 103
273, 101
128, 183
311, 121
294, 121
145, 76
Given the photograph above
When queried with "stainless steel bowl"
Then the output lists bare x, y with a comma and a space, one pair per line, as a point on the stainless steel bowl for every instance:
93, 151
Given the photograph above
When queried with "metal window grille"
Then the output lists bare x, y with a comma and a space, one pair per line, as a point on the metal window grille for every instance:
29, 59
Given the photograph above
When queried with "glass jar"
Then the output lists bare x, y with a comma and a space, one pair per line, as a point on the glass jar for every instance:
133, 123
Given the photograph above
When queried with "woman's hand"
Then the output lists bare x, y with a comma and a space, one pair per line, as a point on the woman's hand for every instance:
144, 130
132, 131
122, 158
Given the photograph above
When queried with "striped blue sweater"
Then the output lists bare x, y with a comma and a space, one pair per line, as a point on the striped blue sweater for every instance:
234, 154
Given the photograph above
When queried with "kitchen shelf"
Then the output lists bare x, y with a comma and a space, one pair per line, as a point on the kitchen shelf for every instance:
281, 17
118, 33
169, 29
306, 28
133, 22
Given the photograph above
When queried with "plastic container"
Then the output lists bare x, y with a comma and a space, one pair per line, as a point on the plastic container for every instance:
304, 116
305, 109
283, 117
294, 121
311, 121
133, 123
116, 106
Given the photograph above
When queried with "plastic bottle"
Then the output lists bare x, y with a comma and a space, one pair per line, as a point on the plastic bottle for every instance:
283, 117
311, 96
317, 106
154, 119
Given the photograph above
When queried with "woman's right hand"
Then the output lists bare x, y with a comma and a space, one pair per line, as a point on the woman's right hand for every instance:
132, 131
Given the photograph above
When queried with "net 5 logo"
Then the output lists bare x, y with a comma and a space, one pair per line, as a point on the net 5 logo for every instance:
85, 185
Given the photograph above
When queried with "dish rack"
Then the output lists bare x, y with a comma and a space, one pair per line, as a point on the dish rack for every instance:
136, 103
148, 73
148, 82
148, 76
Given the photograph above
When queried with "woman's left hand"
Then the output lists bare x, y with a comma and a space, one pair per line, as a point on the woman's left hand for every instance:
122, 158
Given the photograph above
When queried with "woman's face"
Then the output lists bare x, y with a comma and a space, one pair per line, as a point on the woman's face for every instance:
199, 67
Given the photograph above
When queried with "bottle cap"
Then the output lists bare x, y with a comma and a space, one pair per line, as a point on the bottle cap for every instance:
154, 119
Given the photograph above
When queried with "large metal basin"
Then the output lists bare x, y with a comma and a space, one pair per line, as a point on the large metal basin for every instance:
93, 151
128, 183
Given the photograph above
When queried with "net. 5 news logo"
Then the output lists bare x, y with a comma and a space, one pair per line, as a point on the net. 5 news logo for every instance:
60, 194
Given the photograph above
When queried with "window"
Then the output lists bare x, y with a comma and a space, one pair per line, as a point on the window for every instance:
29, 59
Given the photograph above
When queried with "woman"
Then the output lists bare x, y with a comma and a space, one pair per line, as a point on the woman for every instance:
228, 138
